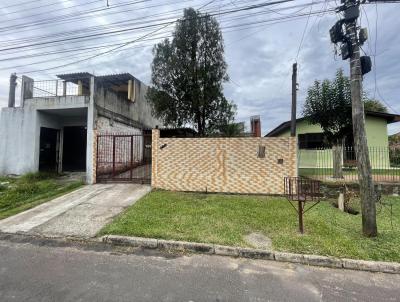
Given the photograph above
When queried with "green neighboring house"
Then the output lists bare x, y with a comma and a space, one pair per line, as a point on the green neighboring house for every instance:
315, 153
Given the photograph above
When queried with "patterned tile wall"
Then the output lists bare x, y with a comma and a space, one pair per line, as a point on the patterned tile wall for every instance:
234, 165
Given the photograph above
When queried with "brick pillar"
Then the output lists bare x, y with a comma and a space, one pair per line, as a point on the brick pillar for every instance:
94, 170
155, 136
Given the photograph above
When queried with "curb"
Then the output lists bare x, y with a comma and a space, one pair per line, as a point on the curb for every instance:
221, 250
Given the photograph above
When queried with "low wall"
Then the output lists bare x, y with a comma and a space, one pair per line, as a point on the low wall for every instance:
230, 165
19, 141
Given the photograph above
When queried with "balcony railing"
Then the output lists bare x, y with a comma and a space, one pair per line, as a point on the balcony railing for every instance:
53, 88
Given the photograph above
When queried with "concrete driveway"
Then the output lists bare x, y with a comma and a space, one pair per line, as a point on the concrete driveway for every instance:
81, 213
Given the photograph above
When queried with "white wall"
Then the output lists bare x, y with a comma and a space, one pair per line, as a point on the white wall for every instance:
20, 130
18, 141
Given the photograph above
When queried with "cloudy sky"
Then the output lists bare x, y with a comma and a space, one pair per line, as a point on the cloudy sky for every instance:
43, 38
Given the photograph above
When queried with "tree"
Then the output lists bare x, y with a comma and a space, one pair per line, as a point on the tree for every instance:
188, 73
374, 105
232, 130
328, 104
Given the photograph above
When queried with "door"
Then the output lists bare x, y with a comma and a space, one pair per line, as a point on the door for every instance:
48, 149
74, 149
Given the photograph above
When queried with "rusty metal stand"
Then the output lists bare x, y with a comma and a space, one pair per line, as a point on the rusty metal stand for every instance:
302, 190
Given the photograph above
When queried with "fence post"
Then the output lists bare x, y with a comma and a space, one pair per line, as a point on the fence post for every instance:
155, 133
131, 167
64, 93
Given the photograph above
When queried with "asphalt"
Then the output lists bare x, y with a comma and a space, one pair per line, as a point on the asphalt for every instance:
32, 272
81, 213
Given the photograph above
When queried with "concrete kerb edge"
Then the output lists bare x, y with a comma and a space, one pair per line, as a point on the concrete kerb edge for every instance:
221, 250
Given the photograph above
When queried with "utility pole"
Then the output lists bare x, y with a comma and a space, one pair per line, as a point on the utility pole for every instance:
351, 41
367, 190
294, 101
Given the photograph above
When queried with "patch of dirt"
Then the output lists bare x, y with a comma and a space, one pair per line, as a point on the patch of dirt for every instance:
259, 241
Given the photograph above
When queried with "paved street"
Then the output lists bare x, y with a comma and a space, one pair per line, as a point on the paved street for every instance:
30, 272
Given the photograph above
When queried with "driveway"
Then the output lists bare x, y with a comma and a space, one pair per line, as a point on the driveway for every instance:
81, 213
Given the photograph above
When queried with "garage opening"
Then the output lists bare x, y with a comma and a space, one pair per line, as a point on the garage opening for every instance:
49, 144
74, 149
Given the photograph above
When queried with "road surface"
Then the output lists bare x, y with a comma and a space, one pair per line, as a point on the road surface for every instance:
31, 272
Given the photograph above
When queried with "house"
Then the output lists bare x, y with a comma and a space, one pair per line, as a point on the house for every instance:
314, 152
55, 126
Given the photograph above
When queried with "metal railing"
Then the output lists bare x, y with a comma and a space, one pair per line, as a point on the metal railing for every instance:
318, 164
53, 88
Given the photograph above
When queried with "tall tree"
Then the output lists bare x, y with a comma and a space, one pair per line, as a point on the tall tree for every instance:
188, 73
328, 104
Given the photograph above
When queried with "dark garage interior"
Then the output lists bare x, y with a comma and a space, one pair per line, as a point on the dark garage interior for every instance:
74, 149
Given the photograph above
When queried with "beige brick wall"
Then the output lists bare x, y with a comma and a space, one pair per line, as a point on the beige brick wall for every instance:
222, 164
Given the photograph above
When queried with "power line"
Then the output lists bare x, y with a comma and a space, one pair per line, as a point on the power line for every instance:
24, 3
109, 51
134, 28
70, 16
92, 48
45, 12
110, 25
242, 25
304, 32
120, 46
80, 16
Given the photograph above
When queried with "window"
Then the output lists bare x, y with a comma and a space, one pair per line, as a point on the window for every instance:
312, 141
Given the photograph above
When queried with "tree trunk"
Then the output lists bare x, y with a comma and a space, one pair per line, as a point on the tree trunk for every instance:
367, 190
337, 153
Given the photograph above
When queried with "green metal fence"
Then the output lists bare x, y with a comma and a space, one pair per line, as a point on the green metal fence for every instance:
318, 164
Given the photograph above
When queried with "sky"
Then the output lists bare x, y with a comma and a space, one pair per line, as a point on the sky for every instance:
44, 38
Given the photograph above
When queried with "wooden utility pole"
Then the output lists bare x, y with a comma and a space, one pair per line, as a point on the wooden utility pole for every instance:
351, 41
351, 49
294, 101
367, 190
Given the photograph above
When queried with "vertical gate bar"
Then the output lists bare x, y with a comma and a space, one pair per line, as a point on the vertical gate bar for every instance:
143, 157
131, 158
139, 158
113, 157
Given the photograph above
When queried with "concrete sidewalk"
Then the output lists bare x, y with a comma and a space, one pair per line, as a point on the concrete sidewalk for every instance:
80, 213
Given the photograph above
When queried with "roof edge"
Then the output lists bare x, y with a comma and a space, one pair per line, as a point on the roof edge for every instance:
389, 117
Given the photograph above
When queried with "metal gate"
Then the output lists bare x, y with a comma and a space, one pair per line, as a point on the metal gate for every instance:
124, 157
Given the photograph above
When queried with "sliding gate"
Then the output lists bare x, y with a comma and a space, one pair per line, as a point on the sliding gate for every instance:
124, 157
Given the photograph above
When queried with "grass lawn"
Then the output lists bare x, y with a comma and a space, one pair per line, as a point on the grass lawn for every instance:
226, 219
30, 190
